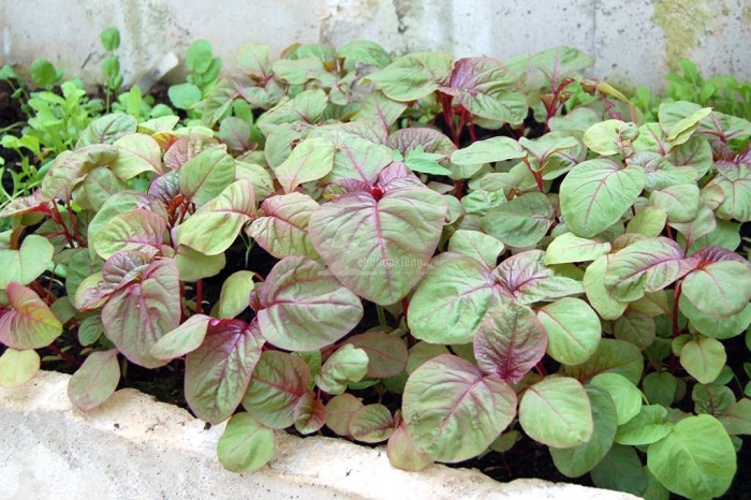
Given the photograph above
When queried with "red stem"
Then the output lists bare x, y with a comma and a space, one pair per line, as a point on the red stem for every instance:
674, 320
541, 369
55, 214
66, 357
199, 296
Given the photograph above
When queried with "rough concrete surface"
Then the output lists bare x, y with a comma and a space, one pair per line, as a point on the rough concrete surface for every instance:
634, 42
133, 447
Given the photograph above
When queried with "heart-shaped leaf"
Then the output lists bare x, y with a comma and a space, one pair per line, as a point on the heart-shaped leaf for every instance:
30, 324
347, 364
719, 289
245, 444
303, 307
140, 230
522, 222
203, 177
18, 367
703, 359
339, 411
27, 263
452, 411
95, 381
371, 424
525, 278
282, 231
387, 353
573, 330
413, 76
311, 160
185, 338
568, 248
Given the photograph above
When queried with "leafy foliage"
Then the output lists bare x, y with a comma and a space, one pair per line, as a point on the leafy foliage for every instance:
579, 285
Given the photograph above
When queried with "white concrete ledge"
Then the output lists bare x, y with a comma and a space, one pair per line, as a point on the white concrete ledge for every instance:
133, 447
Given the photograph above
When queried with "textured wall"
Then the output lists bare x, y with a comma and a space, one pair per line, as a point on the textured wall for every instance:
632, 41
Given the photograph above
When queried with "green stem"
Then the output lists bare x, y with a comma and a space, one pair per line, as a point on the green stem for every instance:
381, 316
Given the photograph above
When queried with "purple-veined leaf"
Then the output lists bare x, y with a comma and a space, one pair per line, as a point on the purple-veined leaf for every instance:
703, 359
635, 327
136, 153
414, 76
409, 139
203, 177
595, 194
27, 263
278, 383
486, 88
479, 246
387, 354
185, 338
303, 307
452, 411
25, 204
378, 243
137, 316
556, 411
525, 278
95, 381
710, 254
310, 414
282, 230
97, 188
380, 109
347, 364
371, 424
402, 452
719, 289
453, 300
339, 411
214, 227
107, 129
510, 342
681, 202
18, 367
30, 324
311, 160
648, 265
218, 372
568, 248
139, 230
245, 445
487, 151
700, 226
186, 148
560, 62
70, 168
734, 179
165, 188
235, 133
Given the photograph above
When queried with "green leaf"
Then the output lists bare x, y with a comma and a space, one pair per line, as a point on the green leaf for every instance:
30, 324
452, 411
90, 330
339, 411
278, 383
18, 367
599, 297
696, 460
522, 222
136, 153
604, 137
311, 160
626, 396
681, 202
214, 227
680, 132
107, 129
95, 381
573, 330
110, 39
184, 95
27, 263
734, 180
556, 412
703, 359
303, 307
413, 76
204, 176
636, 328
371, 424
452, 302
650, 222
660, 388
387, 353
193, 265
719, 289
480, 246
568, 248
235, 295
245, 444
595, 194
138, 230
184, 339
524, 278
282, 231
737, 418
621, 470
70, 169
647, 427
43, 73
365, 52
715, 327
402, 452
611, 356
576, 461
418, 160
310, 414
347, 364
488, 151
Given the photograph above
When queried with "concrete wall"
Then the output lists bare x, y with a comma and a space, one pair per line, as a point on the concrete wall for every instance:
631, 40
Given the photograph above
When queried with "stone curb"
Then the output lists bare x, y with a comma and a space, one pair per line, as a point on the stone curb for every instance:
133, 447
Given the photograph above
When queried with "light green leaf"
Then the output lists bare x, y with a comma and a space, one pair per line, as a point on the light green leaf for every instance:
737, 418
193, 265
626, 396
604, 137
311, 160
347, 364
371, 424
95, 381
599, 297
556, 411
18, 367
27, 263
205, 176
282, 231
235, 295
650, 222
660, 388
621, 470
573, 330
487, 151
139, 230
696, 460
719, 289
245, 444
611, 356
339, 411
30, 324
413, 76
480, 246
595, 194
703, 358
522, 222
568, 248
647, 427
136, 153
681, 202
184, 339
